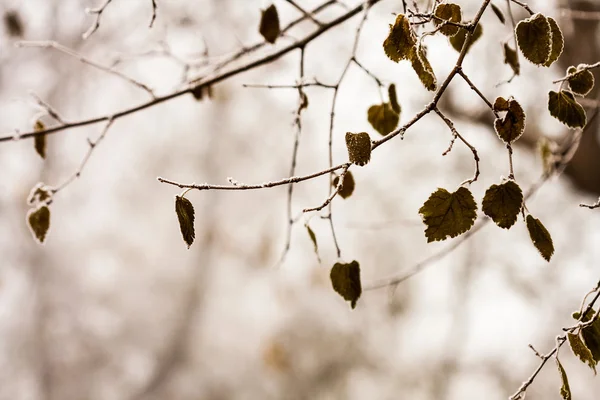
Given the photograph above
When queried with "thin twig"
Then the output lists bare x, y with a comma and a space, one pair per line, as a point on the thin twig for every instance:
98, 12
585, 68
476, 90
304, 12
48, 108
153, 18
524, 5
332, 195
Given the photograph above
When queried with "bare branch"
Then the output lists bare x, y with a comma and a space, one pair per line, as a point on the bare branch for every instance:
98, 13
585, 68
304, 12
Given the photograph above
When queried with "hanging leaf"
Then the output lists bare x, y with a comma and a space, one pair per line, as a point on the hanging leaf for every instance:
540, 237
200, 91
40, 140
383, 118
582, 81
303, 100
512, 59
269, 24
457, 41
511, 127
359, 147
502, 203
449, 12
581, 351
401, 42
534, 37
345, 279
39, 222
185, 215
566, 109
347, 185
423, 69
448, 214
558, 42
394, 98
313, 239
40, 194
498, 13
565, 390
591, 334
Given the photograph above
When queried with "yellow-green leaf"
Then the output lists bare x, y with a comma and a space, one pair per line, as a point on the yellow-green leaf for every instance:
534, 37
457, 41
498, 13
558, 42
582, 80
401, 42
565, 390
448, 214
359, 147
185, 215
511, 127
394, 98
383, 118
502, 203
449, 12
39, 222
581, 351
540, 237
313, 239
269, 24
40, 140
512, 59
345, 279
347, 185
424, 70
566, 109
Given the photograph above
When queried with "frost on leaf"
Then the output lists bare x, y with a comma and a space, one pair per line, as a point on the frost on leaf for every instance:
423, 69
511, 127
566, 109
401, 42
313, 239
457, 41
498, 13
558, 42
269, 24
502, 203
359, 147
449, 12
540, 237
512, 59
39, 194
345, 279
591, 334
581, 351
448, 214
40, 140
565, 390
582, 81
347, 185
383, 118
534, 37
394, 98
185, 215
38, 220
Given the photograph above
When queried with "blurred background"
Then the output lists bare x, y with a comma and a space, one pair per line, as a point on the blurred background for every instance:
114, 306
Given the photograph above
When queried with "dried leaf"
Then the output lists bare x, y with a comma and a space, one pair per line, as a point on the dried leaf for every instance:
502, 203
401, 42
512, 59
359, 147
347, 185
565, 390
581, 351
345, 279
269, 24
394, 98
534, 37
540, 237
498, 13
582, 82
591, 334
39, 222
566, 109
39, 194
511, 127
185, 215
383, 118
448, 214
40, 140
313, 239
13, 23
423, 69
558, 42
199, 92
457, 41
449, 12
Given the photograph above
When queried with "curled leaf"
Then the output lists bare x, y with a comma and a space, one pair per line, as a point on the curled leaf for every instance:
40, 140
540, 237
269, 24
558, 42
424, 70
566, 109
347, 185
511, 127
448, 214
359, 147
457, 41
449, 12
498, 13
38, 220
400, 43
394, 98
582, 80
502, 203
534, 37
581, 351
383, 118
185, 215
345, 279
512, 59
565, 390
313, 239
